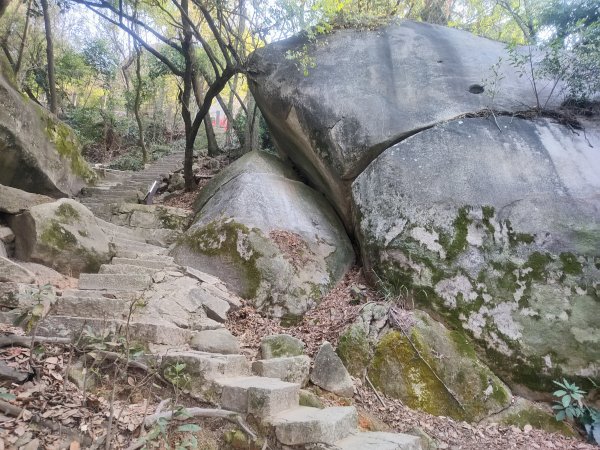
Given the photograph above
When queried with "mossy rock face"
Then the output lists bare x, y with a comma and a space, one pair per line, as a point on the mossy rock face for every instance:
63, 235
523, 412
354, 349
38, 153
435, 370
272, 239
510, 257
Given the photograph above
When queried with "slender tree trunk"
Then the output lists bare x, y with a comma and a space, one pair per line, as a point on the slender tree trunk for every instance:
252, 125
185, 95
52, 101
212, 145
23, 40
137, 102
231, 125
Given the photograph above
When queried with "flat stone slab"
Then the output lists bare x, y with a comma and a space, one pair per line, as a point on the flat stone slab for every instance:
144, 262
203, 369
259, 396
379, 441
11, 271
215, 308
126, 269
305, 425
92, 307
157, 333
215, 341
117, 282
293, 369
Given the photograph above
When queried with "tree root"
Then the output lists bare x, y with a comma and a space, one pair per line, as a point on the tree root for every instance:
15, 411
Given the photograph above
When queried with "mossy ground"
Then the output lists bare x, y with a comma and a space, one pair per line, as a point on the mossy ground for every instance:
537, 419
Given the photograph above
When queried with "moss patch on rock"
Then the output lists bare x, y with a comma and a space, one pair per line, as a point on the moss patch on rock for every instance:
415, 366
68, 147
225, 239
354, 349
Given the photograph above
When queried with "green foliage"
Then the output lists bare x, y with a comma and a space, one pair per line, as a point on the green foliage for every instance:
571, 406
99, 55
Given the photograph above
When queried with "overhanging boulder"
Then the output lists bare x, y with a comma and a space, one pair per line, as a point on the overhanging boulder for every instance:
365, 90
38, 153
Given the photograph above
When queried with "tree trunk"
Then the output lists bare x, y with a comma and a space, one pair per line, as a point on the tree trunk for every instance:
231, 125
212, 145
52, 101
137, 102
185, 96
252, 126
23, 40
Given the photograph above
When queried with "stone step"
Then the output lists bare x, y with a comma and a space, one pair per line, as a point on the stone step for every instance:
117, 231
93, 307
259, 396
127, 269
150, 263
101, 294
203, 369
305, 425
379, 441
116, 282
131, 251
128, 244
146, 331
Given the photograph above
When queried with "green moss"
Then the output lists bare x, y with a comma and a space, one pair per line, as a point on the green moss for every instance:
537, 262
538, 419
7, 71
354, 350
68, 147
309, 399
458, 243
57, 237
570, 264
488, 214
221, 239
398, 371
171, 221
67, 213
462, 344
280, 346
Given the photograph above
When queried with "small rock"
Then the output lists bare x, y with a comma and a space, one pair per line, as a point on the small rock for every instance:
159, 277
281, 345
215, 308
427, 442
81, 376
330, 374
176, 182
6, 235
309, 399
215, 341
293, 369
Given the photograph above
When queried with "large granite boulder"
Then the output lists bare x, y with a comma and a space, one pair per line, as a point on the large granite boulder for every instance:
270, 237
365, 90
38, 153
63, 235
494, 225
16, 201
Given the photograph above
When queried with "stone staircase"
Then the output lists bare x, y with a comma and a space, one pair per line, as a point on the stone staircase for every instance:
123, 186
179, 314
